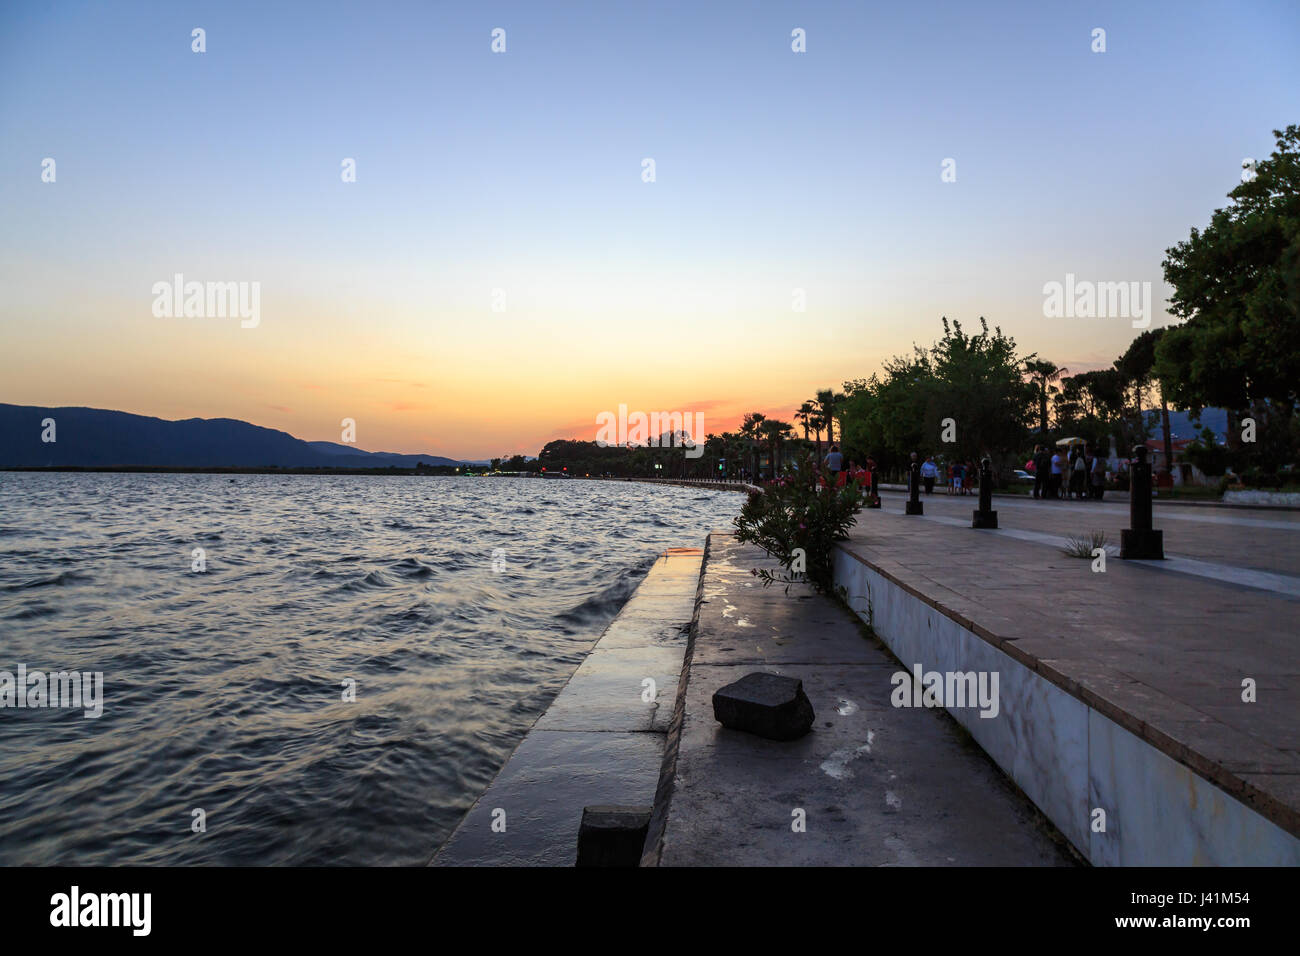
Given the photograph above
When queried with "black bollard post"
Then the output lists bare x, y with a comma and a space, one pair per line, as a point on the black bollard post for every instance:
874, 493
984, 516
914, 504
1140, 541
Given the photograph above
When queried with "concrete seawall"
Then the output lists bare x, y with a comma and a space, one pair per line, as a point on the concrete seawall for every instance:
601, 740
712, 484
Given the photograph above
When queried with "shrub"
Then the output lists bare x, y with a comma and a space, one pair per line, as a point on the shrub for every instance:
792, 513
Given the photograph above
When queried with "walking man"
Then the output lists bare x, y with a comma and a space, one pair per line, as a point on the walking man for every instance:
929, 472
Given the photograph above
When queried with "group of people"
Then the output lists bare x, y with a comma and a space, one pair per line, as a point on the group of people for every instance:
840, 474
962, 477
1078, 472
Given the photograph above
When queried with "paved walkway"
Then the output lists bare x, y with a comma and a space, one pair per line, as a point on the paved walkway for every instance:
1162, 648
874, 785
1264, 540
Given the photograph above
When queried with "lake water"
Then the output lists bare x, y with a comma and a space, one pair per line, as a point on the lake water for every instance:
458, 606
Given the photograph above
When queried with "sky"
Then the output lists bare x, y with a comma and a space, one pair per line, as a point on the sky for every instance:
500, 272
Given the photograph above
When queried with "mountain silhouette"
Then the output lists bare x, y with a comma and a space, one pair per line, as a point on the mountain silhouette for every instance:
100, 438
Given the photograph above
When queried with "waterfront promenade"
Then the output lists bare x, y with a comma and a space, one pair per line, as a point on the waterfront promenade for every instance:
1124, 732
1123, 689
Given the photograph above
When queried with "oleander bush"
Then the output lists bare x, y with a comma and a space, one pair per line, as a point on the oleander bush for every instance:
798, 522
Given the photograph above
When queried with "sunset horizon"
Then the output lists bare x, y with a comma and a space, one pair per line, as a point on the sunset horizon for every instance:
461, 280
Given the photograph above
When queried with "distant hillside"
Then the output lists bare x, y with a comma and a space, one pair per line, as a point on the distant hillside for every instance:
1181, 425
97, 437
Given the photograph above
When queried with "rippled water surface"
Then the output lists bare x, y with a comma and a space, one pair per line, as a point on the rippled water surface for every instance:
222, 689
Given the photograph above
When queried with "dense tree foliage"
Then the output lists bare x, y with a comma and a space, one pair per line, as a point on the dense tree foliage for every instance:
1237, 286
964, 397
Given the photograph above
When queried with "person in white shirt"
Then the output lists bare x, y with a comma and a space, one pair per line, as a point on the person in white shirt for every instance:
1058, 469
929, 472
834, 461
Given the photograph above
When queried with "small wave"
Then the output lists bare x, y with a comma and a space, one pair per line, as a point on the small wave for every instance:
604, 604
372, 581
420, 614
62, 579
413, 568
33, 611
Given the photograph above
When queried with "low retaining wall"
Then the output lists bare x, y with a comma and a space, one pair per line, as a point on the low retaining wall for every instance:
1068, 758
1272, 499
601, 740
700, 483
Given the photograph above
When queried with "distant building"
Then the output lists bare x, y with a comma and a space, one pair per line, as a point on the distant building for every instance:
1184, 472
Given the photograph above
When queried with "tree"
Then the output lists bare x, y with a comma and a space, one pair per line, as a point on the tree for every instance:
826, 403
1137, 365
751, 429
981, 389
1237, 289
885, 416
1043, 373
1092, 405
838, 401
975, 380
805, 416
775, 432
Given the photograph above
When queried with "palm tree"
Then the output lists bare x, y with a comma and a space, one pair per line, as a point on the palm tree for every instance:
775, 432
805, 416
1043, 372
815, 423
826, 403
751, 429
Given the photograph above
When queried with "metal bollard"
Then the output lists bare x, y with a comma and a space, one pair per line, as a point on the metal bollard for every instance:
984, 516
914, 504
1140, 541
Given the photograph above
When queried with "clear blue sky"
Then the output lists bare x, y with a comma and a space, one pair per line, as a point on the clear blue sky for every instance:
774, 170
